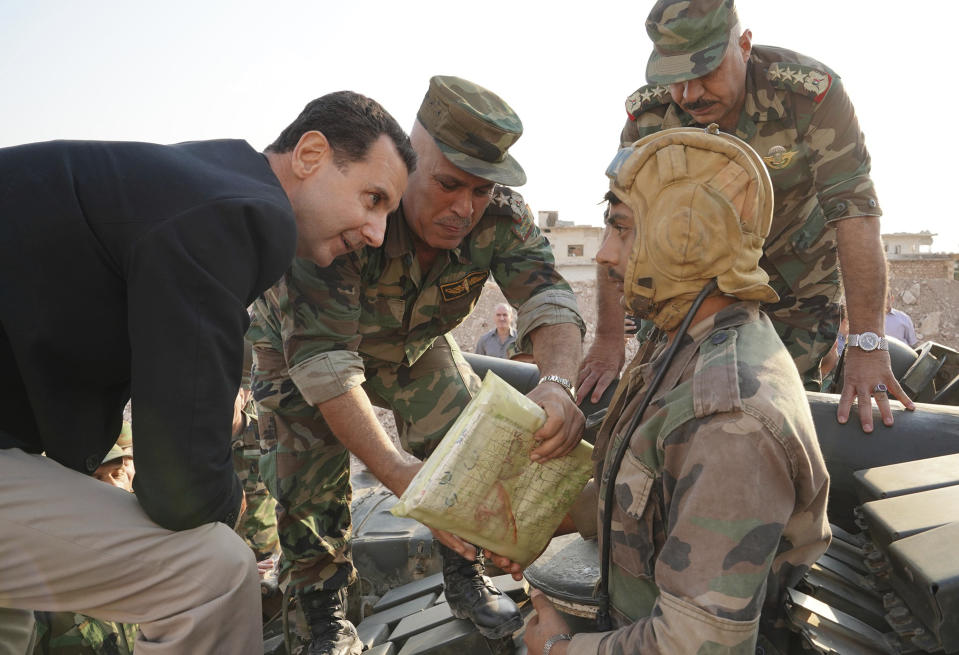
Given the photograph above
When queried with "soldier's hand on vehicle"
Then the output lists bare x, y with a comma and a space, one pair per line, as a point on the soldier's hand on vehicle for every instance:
869, 375
546, 623
600, 367
564, 422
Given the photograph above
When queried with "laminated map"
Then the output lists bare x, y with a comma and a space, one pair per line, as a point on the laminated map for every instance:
481, 485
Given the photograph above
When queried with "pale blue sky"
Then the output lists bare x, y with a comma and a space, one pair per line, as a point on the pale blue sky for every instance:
175, 71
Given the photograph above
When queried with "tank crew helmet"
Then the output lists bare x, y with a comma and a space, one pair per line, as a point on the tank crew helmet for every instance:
702, 201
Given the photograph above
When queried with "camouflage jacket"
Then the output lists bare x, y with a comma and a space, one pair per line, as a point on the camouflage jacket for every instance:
67, 633
798, 117
720, 500
377, 303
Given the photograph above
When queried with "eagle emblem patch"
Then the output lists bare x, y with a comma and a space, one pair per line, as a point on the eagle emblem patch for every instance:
461, 287
779, 158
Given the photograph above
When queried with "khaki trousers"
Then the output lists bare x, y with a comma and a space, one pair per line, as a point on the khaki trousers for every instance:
70, 542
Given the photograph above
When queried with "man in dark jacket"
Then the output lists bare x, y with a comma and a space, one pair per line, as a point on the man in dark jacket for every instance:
125, 272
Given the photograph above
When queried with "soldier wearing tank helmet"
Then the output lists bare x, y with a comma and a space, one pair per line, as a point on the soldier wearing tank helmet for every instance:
709, 494
795, 113
374, 326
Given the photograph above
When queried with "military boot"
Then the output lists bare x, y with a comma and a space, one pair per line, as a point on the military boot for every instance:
331, 633
472, 596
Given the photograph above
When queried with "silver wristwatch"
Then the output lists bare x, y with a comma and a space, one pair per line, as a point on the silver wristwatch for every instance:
552, 640
563, 382
867, 341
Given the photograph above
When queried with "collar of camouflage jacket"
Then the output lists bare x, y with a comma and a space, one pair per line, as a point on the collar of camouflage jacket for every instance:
738, 313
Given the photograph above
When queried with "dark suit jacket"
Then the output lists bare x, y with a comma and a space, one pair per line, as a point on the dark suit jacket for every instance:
126, 270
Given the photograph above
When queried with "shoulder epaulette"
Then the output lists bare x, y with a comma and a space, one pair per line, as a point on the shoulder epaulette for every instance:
508, 203
646, 97
712, 392
805, 80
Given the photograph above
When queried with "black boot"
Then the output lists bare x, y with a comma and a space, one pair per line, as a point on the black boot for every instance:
472, 596
331, 633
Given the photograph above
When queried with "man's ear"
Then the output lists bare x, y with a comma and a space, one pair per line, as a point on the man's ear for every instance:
746, 44
312, 152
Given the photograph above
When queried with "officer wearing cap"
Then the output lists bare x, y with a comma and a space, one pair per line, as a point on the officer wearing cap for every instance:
713, 478
795, 113
373, 328
117, 466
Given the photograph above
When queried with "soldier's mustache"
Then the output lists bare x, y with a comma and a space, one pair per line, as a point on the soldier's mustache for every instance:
613, 275
454, 221
699, 104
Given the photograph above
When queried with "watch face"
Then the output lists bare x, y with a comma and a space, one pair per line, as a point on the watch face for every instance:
868, 340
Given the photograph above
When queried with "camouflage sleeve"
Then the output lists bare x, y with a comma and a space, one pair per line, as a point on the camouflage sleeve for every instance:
312, 316
524, 268
547, 308
839, 160
728, 494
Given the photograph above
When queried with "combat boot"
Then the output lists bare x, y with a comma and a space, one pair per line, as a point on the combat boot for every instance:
472, 596
331, 633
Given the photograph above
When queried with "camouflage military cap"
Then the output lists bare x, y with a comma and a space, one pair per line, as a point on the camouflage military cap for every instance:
124, 445
689, 38
474, 128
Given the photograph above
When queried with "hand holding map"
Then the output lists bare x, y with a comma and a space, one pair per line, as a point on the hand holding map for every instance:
480, 484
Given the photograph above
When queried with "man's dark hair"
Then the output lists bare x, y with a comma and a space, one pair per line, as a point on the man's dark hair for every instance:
351, 122
612, 198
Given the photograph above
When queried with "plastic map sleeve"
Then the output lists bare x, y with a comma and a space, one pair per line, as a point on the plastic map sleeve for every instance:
481, 485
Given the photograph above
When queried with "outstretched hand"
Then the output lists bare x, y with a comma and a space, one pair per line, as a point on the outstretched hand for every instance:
867, 375
600, 367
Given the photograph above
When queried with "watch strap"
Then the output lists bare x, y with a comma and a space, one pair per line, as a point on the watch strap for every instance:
563, 382
853, 341
548, 646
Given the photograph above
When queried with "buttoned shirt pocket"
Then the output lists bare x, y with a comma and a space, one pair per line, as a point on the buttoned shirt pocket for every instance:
637, 517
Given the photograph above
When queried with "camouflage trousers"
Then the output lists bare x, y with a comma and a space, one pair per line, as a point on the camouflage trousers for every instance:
257, 526
307, 469
808, 326
67, 633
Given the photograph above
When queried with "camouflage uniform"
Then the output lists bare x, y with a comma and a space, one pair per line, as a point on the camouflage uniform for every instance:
66, 633
720, 499
798, 117
373, 318
257, 526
